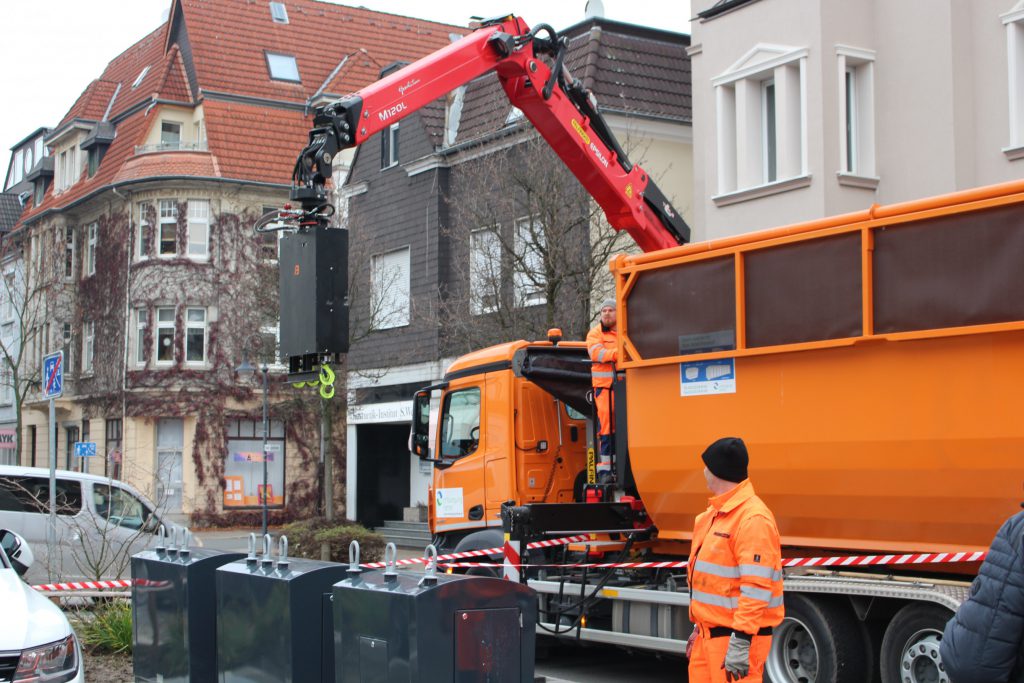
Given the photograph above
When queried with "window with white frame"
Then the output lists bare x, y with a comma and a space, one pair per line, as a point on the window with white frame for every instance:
7, 309
389, 146
1014, 22
389, 289
168, 227
528, 273
195, 335
856, 111
170, 135
92, 238
164, 336
270, 344
283, 67
760, 106
61, 174
278, 12
17, 170
198, 228
88, 346
6, 385
138, 79
141, 325
144, 233
69, 252
484, 270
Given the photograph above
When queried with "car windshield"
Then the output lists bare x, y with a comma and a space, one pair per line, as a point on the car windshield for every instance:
119, 507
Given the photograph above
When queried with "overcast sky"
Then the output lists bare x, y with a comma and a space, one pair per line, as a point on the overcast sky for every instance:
51, 49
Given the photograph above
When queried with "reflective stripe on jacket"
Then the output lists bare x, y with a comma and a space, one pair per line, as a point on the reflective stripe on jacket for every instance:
735, 570
602, 350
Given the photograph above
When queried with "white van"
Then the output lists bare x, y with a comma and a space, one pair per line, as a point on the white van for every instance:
101, 522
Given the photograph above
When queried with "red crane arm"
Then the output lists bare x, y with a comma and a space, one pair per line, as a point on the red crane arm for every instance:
559, 107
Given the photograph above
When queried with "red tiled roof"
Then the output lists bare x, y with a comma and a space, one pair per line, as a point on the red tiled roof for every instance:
253, 142
229, 37
92, 103
174, 85
129, 132
157, 164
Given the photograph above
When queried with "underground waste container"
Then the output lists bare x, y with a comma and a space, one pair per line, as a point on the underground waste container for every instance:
274, 618
421, 627
174, 638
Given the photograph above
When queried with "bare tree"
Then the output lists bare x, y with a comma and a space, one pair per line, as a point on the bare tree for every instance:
30, 286
528, 248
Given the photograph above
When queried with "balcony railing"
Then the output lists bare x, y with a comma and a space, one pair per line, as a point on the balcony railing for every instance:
172, 147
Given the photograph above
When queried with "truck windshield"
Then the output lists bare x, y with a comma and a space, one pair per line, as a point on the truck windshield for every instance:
460, 423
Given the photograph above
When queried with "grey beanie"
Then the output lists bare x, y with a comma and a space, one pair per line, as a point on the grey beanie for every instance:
607, 303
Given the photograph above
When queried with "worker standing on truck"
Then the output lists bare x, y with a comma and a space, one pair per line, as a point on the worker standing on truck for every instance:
735, 573
601, 345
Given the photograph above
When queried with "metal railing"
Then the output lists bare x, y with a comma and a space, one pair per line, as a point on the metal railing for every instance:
180, 146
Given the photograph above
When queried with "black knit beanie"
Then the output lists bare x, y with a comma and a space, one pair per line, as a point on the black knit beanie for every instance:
727, 459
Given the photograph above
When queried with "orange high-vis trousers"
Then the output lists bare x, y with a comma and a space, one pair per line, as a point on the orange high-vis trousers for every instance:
708, 656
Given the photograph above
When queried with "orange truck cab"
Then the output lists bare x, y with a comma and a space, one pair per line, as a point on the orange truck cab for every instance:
513, 424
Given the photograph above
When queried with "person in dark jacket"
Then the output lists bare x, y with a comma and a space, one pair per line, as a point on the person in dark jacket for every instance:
984, 641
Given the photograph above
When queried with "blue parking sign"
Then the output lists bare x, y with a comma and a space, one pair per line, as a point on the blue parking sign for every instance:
53, 375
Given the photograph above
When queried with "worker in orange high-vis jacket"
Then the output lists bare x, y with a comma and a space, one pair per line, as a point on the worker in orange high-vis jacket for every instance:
601, 345
735, 573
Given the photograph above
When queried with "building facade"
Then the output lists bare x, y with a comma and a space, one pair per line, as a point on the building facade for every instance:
809, 108
473, 232
145, 269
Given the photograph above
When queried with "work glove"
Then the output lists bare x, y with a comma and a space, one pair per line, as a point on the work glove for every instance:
690, 641
737, 658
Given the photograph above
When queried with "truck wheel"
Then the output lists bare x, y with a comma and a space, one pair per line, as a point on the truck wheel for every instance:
910, 648
819, 641
482, 540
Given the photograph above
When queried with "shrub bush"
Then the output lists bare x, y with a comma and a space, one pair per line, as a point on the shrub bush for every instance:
109, 629
305, 537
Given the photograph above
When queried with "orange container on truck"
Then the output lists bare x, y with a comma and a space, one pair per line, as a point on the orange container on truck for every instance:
872, 362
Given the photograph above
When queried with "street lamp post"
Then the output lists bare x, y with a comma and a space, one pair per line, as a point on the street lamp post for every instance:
247, 370
263, 369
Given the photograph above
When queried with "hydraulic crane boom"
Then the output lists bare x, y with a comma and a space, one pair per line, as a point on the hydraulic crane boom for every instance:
562, 110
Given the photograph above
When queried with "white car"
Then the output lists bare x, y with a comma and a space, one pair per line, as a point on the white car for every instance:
36, 641
101, 522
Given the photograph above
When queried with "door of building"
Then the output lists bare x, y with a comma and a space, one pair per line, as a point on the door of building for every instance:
170, 440
382, 472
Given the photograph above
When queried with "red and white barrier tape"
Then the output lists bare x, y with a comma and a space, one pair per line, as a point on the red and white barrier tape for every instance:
831, 562
444, 561
480, 553
880, 560
84, 585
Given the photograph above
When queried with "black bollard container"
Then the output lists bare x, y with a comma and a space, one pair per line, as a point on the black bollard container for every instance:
174, 638
421, 627
274, 619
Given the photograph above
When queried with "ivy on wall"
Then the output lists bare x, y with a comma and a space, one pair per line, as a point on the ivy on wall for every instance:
237, 286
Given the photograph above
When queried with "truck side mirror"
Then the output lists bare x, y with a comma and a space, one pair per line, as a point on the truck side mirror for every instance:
420, 437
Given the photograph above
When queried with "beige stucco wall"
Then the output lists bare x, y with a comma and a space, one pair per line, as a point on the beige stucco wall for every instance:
940, 101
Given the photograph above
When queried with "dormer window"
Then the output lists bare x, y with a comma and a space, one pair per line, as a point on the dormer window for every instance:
170, 135
279, 13
138, 79
282, 67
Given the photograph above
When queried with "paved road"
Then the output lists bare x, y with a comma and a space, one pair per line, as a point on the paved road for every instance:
561, 662
566, 661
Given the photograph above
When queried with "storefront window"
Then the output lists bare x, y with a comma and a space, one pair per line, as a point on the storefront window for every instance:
243, 468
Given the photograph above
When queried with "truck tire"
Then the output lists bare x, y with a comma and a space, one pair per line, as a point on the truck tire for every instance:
819, 641
482, 540
910, 648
